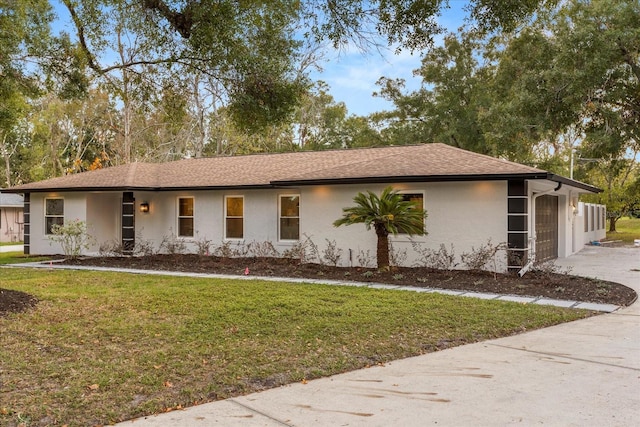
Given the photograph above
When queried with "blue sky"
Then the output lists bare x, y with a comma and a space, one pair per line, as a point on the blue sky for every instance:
352, 76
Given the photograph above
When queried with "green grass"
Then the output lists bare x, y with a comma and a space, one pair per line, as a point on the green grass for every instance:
18, 257
106, 347
10, 243
627, 230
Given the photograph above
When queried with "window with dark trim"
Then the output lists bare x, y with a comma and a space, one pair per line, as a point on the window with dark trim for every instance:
185, 217
53, 214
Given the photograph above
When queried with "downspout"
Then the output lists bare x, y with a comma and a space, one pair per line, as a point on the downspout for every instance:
532, 260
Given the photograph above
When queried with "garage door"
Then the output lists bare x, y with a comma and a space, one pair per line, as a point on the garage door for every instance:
546, 228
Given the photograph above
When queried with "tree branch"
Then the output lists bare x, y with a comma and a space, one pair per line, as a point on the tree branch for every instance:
181, 22
83, 42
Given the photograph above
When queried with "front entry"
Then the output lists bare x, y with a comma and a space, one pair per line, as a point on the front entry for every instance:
546, 228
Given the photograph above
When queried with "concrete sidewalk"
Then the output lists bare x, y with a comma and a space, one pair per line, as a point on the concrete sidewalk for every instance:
584, 373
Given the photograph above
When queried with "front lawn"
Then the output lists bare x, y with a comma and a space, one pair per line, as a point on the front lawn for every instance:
18, 257
105, 347
627, 230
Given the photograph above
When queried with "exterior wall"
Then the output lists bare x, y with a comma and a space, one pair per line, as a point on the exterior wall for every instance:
590, 223
11, 224
74, 209
448, 205
572, 232
103, 218
462, 216
465, 215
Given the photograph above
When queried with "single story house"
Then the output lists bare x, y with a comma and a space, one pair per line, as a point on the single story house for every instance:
11, 218
289, 198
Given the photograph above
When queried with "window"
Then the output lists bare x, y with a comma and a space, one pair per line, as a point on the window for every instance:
185, 217
290, 217
417, 199
234, 217
53, 214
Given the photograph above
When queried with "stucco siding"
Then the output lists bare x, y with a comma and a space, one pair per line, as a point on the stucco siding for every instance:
465, 215
74, 209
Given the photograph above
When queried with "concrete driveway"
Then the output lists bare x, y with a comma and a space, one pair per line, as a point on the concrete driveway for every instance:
584, 373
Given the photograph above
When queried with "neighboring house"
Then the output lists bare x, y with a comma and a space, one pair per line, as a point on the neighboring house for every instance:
288, 198
11, 218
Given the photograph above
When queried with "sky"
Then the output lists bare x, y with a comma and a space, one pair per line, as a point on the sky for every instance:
352, 76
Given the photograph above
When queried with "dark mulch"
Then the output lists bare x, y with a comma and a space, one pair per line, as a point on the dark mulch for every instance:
15, 301
544, 283
548, 284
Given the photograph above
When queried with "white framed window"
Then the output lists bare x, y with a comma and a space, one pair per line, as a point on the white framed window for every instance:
53, 214
289, 216
234, 217
185, 216
417, 198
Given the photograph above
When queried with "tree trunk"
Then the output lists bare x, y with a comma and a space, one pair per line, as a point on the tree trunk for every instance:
382, 251
612, 224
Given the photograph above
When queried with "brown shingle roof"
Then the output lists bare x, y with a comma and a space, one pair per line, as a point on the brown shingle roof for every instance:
385, 164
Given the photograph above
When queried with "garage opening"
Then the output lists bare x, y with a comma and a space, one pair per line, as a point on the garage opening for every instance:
546, 228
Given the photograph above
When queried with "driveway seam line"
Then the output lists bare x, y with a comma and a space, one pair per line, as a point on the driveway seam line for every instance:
261, 413
560, 356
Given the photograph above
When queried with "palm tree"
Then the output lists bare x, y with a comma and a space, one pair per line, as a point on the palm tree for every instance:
389, 214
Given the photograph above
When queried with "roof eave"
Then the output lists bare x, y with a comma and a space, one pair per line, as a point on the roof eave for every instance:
576, 184
412, 178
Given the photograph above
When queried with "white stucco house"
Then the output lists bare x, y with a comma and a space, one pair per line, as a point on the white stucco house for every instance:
283, 198
11, 218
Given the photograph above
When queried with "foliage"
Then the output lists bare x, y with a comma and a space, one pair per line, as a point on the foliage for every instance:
72, 237
136, 345
484, 257
388, 214
172, 244
331, 254
443, 258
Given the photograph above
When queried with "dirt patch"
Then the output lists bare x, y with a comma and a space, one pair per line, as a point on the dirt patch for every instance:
15, 301
547, 284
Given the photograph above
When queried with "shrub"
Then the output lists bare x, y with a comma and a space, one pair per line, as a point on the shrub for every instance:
480, 258
332, 254
111, 248
441, 259
172, 245
262, 250
203, 245
72, 237
365, 259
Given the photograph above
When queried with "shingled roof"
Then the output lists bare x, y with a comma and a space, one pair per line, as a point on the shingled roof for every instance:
413, 163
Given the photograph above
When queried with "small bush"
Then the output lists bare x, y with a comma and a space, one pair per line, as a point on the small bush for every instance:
483, 257
172, 245
72, 237
397, 257
442, 259
262, 250
111, 248
203, 246
306, 251
332, 254
366, 259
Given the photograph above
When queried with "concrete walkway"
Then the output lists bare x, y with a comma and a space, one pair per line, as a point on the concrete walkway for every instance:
583, 373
